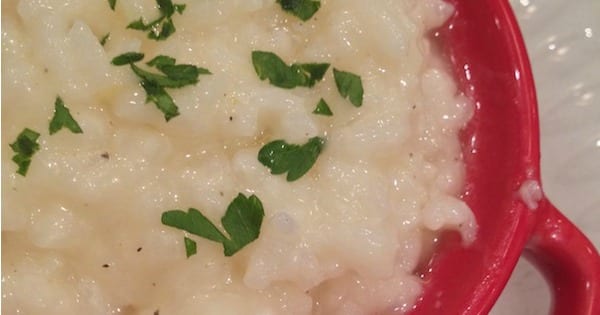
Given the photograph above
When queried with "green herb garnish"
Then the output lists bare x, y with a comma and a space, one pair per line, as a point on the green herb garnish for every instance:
242, 222
24, 147
269, 66
190, 247
294, 159
127, 58
112, 4
180, 75
350, 86
322, 109
172, 76
104, 39
303, 9
162, 27
62, 118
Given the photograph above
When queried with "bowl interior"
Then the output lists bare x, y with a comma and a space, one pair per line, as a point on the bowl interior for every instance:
501, 150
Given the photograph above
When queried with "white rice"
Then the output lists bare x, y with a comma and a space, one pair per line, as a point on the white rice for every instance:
81, 233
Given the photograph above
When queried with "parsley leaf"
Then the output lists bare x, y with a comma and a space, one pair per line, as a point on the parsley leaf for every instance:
154, 84
112, 4
162, 27
187, 73
167, 81
269, 66
161, 60
127, 58
104, 39
312, 72
190, 247
294, 159
193, 222
242, 221
350, 86
156, 94
303, 9
25, 146
62, 118
322, 109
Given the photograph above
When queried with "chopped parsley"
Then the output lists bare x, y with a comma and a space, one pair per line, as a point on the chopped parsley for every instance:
269, 66
172, 76
322, 109
162, 27
24, 147
296, 160
350, 86
242, 222
303, 9
112, 4
190, 247
62, 118
104, 39
127, 58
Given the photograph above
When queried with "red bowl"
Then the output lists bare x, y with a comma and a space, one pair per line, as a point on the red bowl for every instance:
501, 151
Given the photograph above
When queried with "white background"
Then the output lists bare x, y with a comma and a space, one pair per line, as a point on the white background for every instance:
563, 41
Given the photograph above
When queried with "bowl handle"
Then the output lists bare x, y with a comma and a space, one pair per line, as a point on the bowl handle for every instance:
568, 261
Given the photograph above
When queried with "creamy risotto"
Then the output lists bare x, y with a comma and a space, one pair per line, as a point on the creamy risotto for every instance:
81, 224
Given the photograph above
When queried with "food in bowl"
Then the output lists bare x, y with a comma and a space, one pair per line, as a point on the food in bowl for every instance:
238, 157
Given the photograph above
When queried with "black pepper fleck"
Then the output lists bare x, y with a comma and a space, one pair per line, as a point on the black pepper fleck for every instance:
230, 118
105, 155
139, 249
157, 312
105, 266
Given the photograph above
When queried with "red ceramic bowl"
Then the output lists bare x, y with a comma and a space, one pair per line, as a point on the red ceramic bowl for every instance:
501, 150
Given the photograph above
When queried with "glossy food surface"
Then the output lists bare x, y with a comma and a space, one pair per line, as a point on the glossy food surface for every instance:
501, 152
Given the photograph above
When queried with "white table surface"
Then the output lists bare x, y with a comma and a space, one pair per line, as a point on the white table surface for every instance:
563, 41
